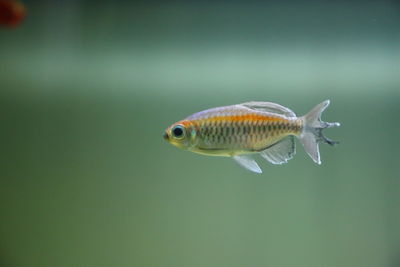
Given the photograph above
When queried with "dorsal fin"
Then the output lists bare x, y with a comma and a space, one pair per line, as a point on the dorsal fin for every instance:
281, 152
269, 107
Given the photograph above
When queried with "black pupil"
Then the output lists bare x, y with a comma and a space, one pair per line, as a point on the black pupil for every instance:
178, 132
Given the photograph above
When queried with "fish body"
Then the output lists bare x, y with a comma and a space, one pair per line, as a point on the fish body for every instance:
235, 130
238, 131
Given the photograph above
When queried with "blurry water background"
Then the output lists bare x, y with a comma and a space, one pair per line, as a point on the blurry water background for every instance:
88, 87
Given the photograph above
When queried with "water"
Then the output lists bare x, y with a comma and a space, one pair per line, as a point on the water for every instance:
87, 179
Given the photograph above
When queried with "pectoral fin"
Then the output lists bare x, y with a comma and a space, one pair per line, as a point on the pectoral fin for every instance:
281, 152
247, 162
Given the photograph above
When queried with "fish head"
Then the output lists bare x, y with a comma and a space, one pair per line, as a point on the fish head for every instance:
181, 134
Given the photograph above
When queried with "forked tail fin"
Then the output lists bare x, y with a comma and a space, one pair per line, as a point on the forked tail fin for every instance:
312, 131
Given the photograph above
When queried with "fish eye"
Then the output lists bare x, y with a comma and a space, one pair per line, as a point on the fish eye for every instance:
178, 131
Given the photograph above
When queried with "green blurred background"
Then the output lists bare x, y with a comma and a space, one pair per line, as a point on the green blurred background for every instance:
88, 87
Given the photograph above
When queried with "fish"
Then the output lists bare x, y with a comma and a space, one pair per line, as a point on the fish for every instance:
12, 13
244, 130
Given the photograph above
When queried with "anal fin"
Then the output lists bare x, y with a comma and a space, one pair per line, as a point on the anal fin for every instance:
280, 152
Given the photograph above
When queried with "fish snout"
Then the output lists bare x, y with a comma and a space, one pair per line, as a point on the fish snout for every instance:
165, 135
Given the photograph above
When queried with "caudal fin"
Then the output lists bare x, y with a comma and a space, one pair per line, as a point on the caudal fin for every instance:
312, 131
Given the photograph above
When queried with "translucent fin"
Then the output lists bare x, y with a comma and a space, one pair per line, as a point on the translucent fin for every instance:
269, 107
280, 152
312, 132
247, 162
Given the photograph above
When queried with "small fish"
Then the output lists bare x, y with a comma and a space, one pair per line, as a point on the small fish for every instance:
263, 128
12, 13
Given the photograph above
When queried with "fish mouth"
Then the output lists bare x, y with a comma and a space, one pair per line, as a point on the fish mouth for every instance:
166, 137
